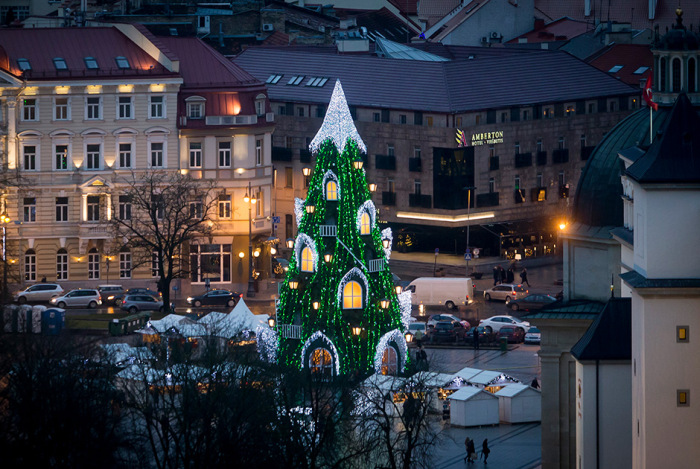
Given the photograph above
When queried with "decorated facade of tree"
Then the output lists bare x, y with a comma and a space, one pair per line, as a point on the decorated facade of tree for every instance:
338, 311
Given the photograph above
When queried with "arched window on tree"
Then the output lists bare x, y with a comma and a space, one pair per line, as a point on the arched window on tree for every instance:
331, 190
321, 362
365, 224
352, 295
307, 259
390, 361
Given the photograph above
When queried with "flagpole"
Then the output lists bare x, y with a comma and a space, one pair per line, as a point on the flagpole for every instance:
651, 127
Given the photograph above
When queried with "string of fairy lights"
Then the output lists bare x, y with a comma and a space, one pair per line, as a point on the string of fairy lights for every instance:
314, 300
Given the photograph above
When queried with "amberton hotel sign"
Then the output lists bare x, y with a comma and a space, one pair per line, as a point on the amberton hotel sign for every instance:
483, 138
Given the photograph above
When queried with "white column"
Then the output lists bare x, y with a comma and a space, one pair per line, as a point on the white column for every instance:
83, 208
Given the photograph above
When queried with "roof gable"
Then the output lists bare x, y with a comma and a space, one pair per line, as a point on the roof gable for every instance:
610, 335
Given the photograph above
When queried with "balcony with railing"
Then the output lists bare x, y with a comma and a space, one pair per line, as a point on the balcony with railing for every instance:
523, 160
281, 154
560, 156
328, 230
388, 198
387, 162
586, 152
493, 163
419, 200
415, 165
541, 158
289, 331
376, 265
489, 199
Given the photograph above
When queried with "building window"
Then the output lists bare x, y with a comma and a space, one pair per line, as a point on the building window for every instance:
477, 119
458, 122
195, 154
29, 157
260, 105
93, 208
224, 154
93, 108
124, 107
125, 155
124, 207
429, 121
288, 177
91, 63
517, 148
61, 109
390, 150
583, 141
300, 111
570, 111
390, 185
156, 107
548, 113
402, 118
122, 62
224, 206
158, 206
526, 115
492, 185
492, 151
539, 180
562, 142
93, 264
352, 295
517, 182
682, 334
321, 363
156, 155
29, 209
539, 145
365, 223
591, 108
196, 210
390, 362
331, 190
195, 110
30, 109
676, 75
259, 206
307, 259
124, 265
92, 154
61, 157
62, 265
683, 397
30, 265
612, 106
258, 152
376, 117
288, 142
504, 117
416, 152
562, 178
61, 208
210, 261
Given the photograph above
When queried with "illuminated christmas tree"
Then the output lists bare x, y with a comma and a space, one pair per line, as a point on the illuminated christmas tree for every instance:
338, 310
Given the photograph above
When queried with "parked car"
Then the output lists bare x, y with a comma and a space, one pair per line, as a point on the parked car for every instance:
530, 302
433, 319
447, 331
533, 336
419, 330
496, 322
111, 294
88, 297
142, 302
505, 292
38, 292
486, 335
514, 334
144, 291
215, 298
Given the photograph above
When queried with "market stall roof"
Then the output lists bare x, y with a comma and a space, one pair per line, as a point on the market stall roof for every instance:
468, 392
162, 325
512, 390
384, 382
485, 377
240, 319
433, 379
466, 373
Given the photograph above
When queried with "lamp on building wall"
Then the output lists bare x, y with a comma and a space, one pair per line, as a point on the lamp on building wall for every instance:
384, 303
409, 337
358, 163
290, 243
372, 187
293, 283
306, 171
356, 330
310, 209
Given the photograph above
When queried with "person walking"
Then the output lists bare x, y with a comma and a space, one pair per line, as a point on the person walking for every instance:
471, 451
503, 273
466, 449
511, 275
485, 450
535, 384
523, 277
496, 275
475, 336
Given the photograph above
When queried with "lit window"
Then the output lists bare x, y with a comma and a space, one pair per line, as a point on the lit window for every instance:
331, 190
683, 396
307, 260
321, 362
224, 206
365, 224
352, 295
682, 334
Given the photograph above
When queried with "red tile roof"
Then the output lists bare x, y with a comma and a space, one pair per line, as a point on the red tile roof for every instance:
560, 30
630, 56
41, 45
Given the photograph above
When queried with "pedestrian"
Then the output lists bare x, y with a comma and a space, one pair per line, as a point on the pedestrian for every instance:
485, 450
466, 449
510, 275
503, 273
471, 451
475, 335
523, 277
496, 275
535, 384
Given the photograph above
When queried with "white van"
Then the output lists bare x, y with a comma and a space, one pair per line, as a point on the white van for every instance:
432, 291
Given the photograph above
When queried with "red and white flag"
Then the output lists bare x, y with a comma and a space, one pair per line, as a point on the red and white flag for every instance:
647, 94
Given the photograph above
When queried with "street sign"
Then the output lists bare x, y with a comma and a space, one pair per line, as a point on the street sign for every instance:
437, 250
467, 256
276, 220
476, 251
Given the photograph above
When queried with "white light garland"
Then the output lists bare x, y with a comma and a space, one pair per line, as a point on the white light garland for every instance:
267, 343
368, 207
405, 306
353, 273
337, 124
320, 335
331, 175
400, 341
299, 209
305, 240
387, 234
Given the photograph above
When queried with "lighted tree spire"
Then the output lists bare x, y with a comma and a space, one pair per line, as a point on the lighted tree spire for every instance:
340, 264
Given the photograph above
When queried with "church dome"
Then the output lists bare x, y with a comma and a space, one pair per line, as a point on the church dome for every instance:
678, 37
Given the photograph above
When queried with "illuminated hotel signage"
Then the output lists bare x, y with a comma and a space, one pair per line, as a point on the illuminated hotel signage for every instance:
483, 138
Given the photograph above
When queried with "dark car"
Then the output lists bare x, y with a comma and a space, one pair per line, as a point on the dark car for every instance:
447, 331
513, 334
144, 291
111, 294
530, 302
215, 298
486, 335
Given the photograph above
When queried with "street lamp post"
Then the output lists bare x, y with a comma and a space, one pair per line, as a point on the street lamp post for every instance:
250, 200
469, 206
4, 219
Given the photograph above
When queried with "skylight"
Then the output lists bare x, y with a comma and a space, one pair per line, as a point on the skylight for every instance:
641, 70
91, 63
60, 63
317, 81
122, 62
295, 80
615, 69
24, 64
274, 78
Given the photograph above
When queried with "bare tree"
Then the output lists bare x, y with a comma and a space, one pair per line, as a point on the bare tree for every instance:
168, 211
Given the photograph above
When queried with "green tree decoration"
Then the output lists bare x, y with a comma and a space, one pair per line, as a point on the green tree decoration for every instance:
338, 311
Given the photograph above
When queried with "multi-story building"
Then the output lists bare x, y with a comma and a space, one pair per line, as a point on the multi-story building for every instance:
84, 108
529, 121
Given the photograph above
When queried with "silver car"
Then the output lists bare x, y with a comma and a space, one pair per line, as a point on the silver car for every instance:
505, 292
136, 303
84, 298
39, 292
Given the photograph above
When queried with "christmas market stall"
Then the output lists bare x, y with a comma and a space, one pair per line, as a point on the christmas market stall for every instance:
471, 406
519, 403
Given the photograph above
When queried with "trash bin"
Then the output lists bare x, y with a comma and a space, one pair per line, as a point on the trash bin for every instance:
503, 342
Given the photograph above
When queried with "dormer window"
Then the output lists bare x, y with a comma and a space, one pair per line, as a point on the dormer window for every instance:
366, 218
122, 62
307, 259
260, 105
195, 107
295, 80
273, 79
60, 63
365, 224
331, 190
352, 295
91, 63
24, 64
